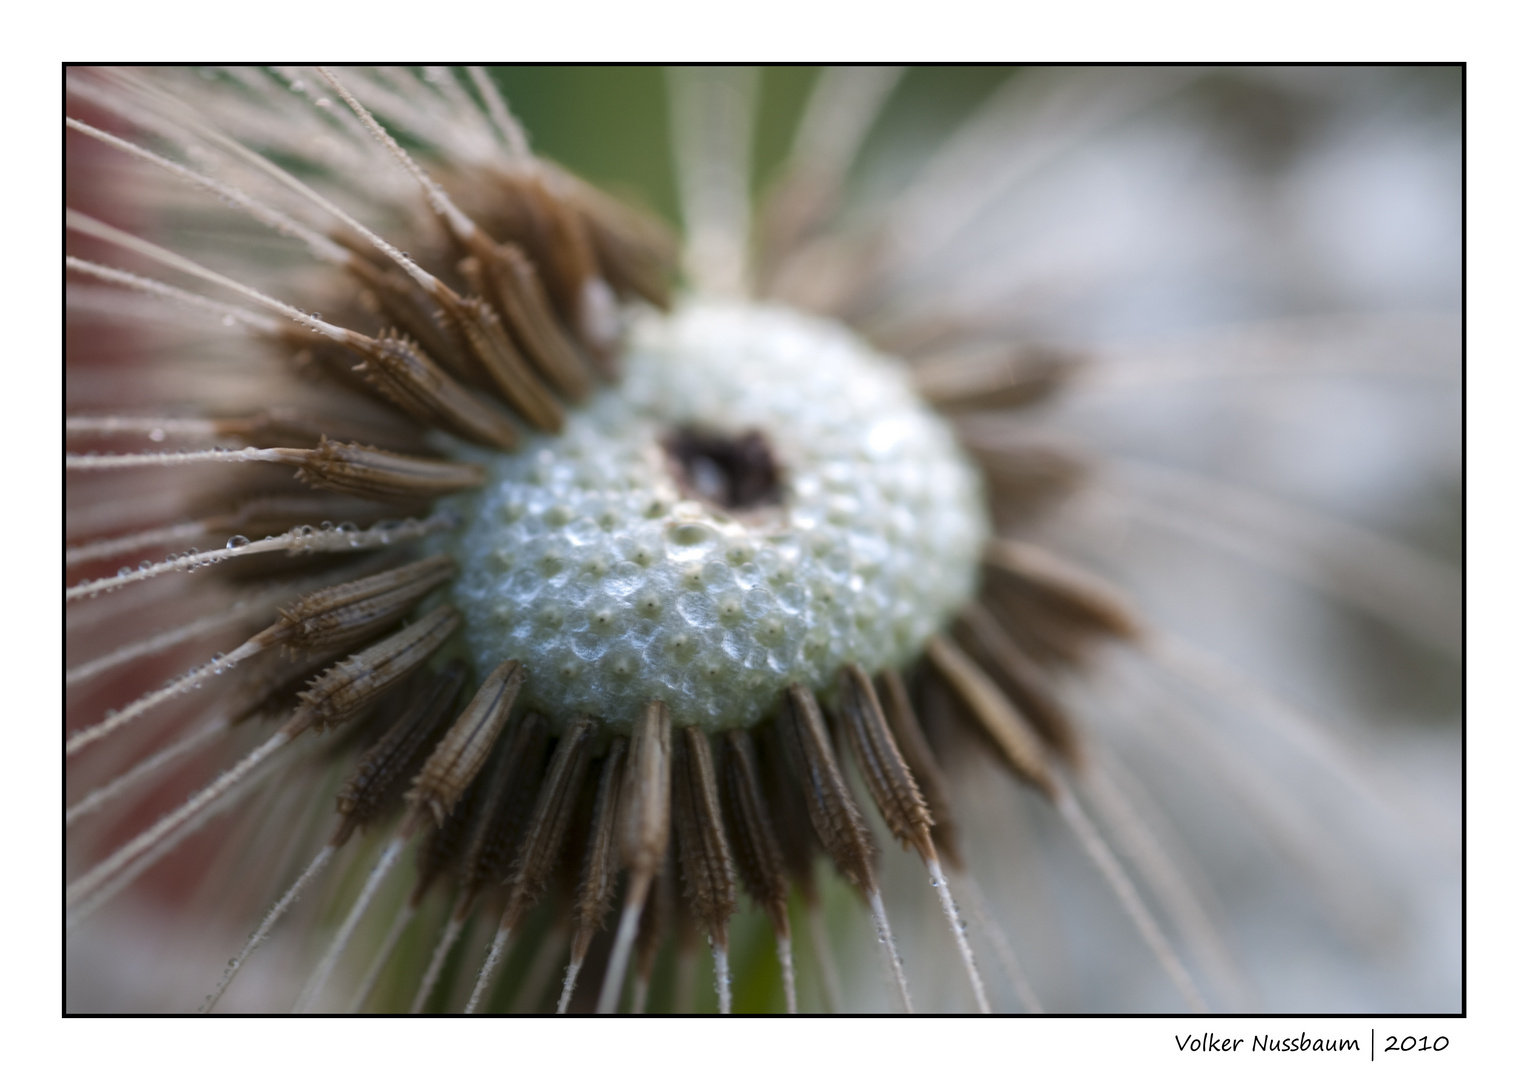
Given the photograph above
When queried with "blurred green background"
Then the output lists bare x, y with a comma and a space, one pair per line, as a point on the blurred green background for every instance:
610, 124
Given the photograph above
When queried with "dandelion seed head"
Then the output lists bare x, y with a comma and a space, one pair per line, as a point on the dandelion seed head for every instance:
590, 550
737, 553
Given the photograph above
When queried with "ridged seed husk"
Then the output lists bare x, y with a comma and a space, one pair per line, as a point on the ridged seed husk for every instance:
271, 684
548, 827
645, 794
528, 208
898, 709
347, 614
1025, 681
630, 250
503, 273
601, 862
369, 473
464, 750
444, 845
755, 847
636, 254
799, 846
891, 782
508, 795
380, 776
1071, 590
490, 345
353, 685
408, 377
277, 424
1020, 747
836, 818
397, 299
704, 858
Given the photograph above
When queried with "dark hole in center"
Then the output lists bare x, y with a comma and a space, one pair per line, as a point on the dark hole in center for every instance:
737, 472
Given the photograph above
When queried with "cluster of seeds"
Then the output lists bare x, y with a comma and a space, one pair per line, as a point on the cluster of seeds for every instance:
592, 556
612, 615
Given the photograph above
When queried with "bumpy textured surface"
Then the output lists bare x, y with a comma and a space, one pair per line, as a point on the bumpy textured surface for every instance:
583, 558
